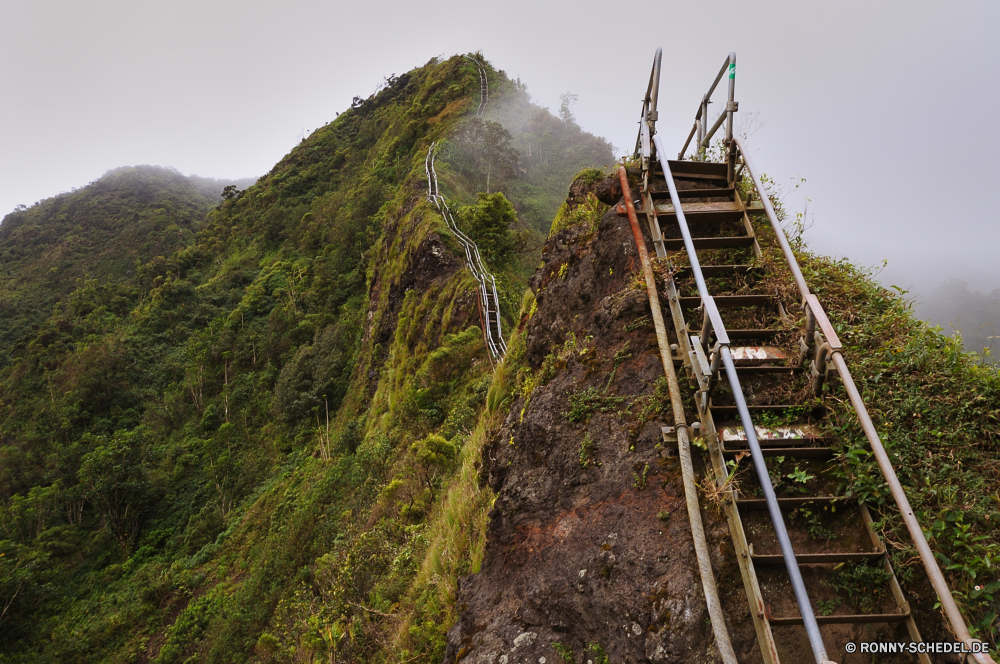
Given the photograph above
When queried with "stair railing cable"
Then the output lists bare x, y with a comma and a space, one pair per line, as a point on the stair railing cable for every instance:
713, 324
488, 296
828, 347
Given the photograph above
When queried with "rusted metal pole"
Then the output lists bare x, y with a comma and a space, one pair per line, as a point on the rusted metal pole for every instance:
708, 583
731, 105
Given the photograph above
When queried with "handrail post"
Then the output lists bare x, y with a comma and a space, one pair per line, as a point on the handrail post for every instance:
730, 111
654, 92
731, 105
647, 123
760, 466
702, 128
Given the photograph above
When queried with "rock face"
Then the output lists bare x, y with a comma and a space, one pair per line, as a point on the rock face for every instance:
588, 548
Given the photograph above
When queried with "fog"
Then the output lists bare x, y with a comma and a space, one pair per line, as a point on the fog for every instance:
884, 108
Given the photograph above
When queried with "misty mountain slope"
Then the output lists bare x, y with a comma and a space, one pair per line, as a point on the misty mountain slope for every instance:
550, 152
258, 447
973, 315
100, 231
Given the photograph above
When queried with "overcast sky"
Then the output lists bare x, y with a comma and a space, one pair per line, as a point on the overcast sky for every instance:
886, 108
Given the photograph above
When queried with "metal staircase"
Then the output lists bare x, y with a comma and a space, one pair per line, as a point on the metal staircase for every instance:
489, 299
757, 361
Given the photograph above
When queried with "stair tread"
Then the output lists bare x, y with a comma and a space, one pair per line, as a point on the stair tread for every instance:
746, 333
818, 558
802, 432
778, 621
678, 166
678, 175
709, 271
757, 354
715, 192
761, 503
764, 368
761, 408
794, 452
694, 208
695, 213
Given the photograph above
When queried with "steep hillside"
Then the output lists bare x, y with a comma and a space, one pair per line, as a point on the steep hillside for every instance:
257, 446
283, 440
589, 554
98, 232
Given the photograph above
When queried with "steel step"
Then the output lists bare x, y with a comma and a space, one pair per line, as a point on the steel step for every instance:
702, 177
668, 217
756, 355
795, 452
817, 558
801, 432
752, 334
684, 167
761, 504
730, 413
699, 213
710, 271
745, 335
711, 242
730, 301
777, 621
717, 192
667, 209
765, 369
741, 445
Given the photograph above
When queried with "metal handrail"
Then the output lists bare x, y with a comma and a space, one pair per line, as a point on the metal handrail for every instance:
718, 619
484, 86
834, 347
647, 123
701, 117
760, 466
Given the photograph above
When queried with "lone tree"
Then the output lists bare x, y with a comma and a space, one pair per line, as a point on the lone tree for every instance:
483, 152
490, 224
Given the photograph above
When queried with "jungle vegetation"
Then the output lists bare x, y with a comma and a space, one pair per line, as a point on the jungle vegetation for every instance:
229, 425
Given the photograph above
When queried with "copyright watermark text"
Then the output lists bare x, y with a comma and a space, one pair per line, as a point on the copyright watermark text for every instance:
934, 647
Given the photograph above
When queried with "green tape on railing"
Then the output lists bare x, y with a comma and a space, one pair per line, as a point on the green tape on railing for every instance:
732, 70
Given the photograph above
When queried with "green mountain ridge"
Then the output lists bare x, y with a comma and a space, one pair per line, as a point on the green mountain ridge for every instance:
237, 406
277, 438
130, 214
